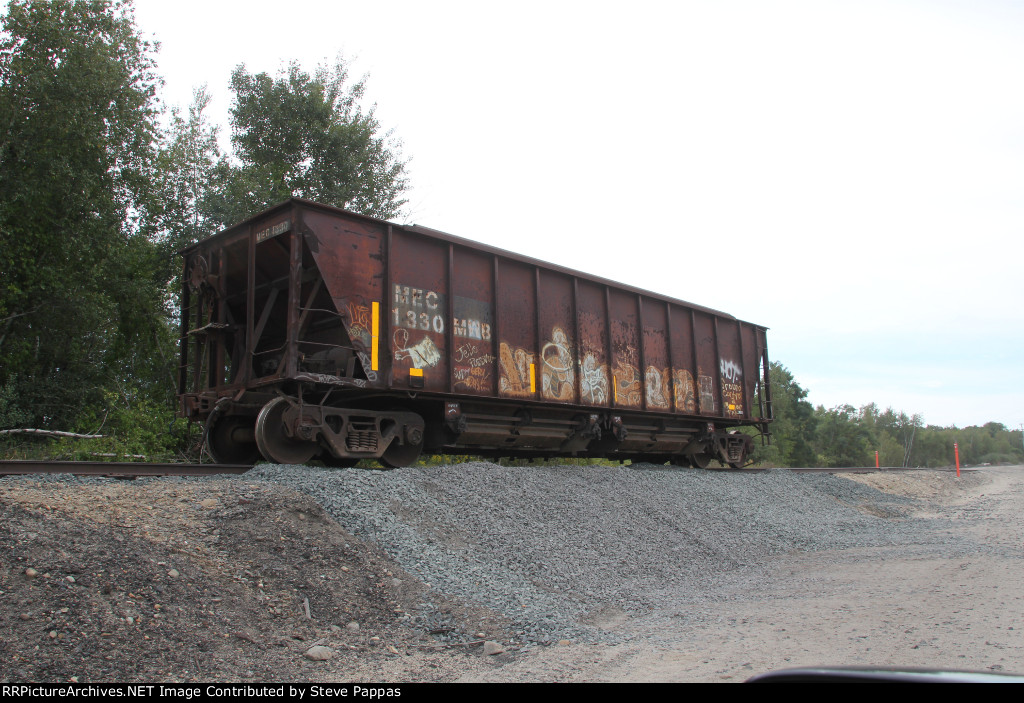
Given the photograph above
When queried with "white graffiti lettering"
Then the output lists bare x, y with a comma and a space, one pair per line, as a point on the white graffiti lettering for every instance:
730, 371
593, 380
465, 351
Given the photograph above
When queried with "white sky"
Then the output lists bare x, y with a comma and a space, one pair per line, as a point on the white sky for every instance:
849, 174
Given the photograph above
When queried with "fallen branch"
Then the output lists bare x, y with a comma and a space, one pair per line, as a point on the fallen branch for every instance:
54, 433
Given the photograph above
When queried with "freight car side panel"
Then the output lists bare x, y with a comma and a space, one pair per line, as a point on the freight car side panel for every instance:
681, 340
517, 330
418, 315
625, 347
730, 369
556, 326
705, 348
657, 369
474, 361
592, 326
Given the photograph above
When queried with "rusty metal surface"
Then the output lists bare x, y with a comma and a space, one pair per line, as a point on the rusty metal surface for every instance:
474, 353
456, 318
305, 298
238, 232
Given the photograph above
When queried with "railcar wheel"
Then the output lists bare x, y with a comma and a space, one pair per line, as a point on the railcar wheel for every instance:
274, 444
700, 461
229, 440
398, 455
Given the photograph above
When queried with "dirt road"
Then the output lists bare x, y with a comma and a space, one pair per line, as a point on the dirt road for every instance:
854, 608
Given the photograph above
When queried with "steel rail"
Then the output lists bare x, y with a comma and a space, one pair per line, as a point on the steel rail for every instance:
865, 469
131, 469
835, 470
118, 469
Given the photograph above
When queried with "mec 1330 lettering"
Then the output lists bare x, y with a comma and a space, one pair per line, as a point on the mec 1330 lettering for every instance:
417, 309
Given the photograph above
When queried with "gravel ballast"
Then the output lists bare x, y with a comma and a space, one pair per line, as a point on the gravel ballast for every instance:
552, 548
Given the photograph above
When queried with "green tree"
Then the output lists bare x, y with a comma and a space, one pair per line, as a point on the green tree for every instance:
893, 434
934, 447
185, 169
306, 136
79, 303
842, 439
793, 425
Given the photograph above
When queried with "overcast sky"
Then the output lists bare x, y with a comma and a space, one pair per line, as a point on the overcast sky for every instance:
848, 174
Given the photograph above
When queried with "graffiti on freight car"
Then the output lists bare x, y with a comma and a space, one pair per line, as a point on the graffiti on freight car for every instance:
558, 380
360, 323
593, 380
627, 385
515, 371
707, 394
473, 371
657, 387
731, 373
423, 353
686, 400
476, 378
417, 309
732, 399
332, 380
469, 353
732, 391
365, 360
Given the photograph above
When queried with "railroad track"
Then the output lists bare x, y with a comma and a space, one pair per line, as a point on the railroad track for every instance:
117, 469
871, 469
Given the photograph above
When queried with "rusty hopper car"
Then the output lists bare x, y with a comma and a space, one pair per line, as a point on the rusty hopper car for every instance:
311, 332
